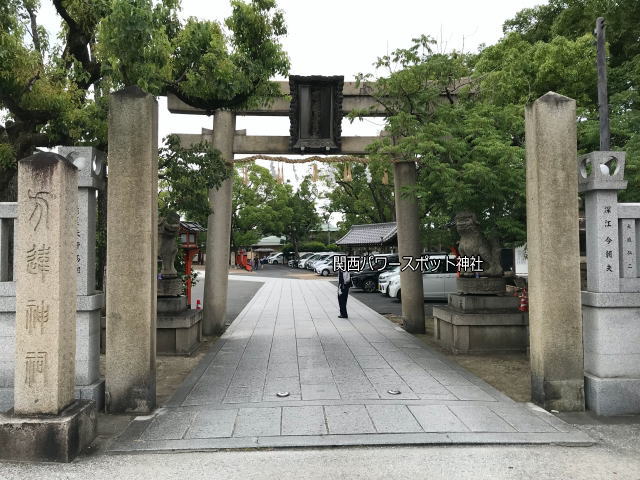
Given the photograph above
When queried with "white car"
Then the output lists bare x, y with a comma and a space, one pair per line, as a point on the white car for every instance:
276, 258
436, 285
385, 278
293, 263
325, 267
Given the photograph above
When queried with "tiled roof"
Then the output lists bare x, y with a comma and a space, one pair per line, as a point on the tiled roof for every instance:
193, 226
270, 241
370, 234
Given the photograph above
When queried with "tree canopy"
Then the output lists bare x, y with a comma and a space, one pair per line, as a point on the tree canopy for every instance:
53, 90
469, 152
460, 116
558, 27
361, 200
262, 206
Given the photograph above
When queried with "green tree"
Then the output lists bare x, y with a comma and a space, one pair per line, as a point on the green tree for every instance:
571, 22
469, 152
361, 200
55, 92
460, 116
186, 175
304, 217
260, 206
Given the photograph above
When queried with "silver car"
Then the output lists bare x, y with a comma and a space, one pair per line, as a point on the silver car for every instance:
436, 284
311, 263
325, 267
303, 261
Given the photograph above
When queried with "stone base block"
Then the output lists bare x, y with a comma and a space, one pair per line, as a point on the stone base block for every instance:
612, 396
179, 334
58, 438
612, 340
461, 332
170, 287
481, 286
172, 304
565, 395
93, 392
484, 303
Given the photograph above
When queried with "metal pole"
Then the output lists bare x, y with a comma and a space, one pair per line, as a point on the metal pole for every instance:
603, 100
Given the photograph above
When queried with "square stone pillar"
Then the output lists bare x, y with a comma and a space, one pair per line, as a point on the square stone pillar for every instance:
45, 285
555, 321
132, 232
46, 423
90, 163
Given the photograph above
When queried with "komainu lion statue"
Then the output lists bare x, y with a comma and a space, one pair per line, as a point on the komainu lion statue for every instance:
168, 227
473, 244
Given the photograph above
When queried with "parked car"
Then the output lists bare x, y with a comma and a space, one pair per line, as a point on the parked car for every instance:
293, 263
310, 265
436, 284
303, 262
325, 267
276, 258
367, 279
385, 278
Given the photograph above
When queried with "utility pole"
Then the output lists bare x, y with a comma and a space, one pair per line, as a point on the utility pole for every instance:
603, 99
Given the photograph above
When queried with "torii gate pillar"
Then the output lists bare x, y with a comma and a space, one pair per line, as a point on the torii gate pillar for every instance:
409, 245
219, 231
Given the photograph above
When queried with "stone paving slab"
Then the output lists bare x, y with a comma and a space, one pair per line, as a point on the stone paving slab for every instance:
338, 374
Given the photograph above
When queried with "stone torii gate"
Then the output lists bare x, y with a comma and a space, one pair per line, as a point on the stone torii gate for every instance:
557, 367
317, 107
229, 142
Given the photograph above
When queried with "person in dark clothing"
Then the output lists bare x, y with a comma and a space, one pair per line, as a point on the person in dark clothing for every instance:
344, 283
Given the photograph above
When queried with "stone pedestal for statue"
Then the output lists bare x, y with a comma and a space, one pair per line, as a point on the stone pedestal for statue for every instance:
480, 317
474, 322
47, 423
179, 329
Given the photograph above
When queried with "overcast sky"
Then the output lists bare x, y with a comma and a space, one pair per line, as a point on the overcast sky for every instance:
344, 37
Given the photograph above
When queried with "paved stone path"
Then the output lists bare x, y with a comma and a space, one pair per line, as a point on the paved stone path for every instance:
338, 374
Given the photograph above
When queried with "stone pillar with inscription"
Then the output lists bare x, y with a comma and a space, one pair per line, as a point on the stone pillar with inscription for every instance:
132, 266
555, 322
45, 285
611, 303
91, 179
46, 317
